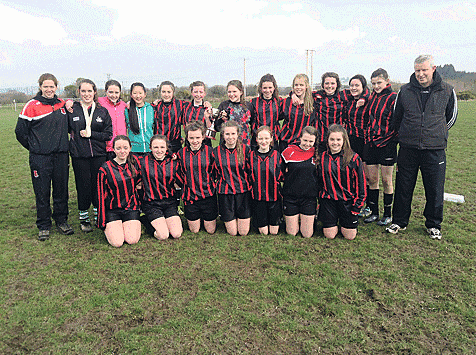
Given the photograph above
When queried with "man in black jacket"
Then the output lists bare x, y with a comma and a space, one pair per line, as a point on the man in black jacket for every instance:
425, 110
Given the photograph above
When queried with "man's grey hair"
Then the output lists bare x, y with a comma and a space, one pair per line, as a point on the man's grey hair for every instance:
425, 58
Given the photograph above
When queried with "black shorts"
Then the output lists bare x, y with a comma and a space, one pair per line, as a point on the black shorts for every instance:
156, 209
386, 156
332, 211
266, 213
357, 144
234, 206
299, 205
121, 215
206, 209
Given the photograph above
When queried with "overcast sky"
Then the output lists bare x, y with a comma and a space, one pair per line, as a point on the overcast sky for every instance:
208, 40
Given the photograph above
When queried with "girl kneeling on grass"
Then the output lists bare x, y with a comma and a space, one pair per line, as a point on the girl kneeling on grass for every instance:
300, 184
233, 186
196, 168
342, 185
118, 212
265, 176
159, 174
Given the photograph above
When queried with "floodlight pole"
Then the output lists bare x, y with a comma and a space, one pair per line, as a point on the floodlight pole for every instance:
244, 78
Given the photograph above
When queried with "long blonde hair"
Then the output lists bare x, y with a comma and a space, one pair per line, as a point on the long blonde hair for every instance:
308, 100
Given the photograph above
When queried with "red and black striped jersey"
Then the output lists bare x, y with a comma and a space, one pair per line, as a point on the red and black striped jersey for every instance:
197, 172
380, 112
343, 184
300, 172
265, 113
168, 118
159, 177
116, 189
232, 176
329, 109
355, 121
294, 121
193, 113
265, 175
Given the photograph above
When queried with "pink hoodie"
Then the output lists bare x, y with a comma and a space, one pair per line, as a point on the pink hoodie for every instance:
117, 116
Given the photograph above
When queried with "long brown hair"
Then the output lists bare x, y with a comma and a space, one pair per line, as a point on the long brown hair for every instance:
308, 100
95, 89
268, 78
239, 86
130, 161
347, 152
239, 141
313, 132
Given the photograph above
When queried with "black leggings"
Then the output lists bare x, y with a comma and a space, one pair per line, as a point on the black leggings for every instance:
86, 178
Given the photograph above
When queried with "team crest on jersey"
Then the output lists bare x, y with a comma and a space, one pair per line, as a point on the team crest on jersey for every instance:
99, 119
63, 111
35, 174
313, 161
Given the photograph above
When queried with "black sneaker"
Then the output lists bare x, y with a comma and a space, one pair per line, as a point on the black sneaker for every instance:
43, 235
384, 221
366, 212
371, 218
65, 228
86, 227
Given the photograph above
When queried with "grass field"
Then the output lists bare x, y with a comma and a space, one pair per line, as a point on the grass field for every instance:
379, 294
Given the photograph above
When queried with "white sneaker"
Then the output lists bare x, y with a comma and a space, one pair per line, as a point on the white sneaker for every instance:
434, 233
394, 228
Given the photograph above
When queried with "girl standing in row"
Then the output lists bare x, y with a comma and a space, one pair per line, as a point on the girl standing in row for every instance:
265, 109
139, 120
90, 128
42, 129
116, 107
380, 151
168, 116
237, 110
299, 115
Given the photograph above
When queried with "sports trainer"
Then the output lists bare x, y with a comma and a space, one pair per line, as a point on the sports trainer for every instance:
425, 109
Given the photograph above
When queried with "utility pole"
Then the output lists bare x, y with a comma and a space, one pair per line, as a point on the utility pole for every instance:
312, 65
307, 62
244, 78
312, 68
